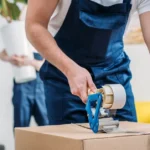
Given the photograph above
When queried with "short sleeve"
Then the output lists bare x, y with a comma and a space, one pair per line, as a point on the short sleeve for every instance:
143, 6
23, 13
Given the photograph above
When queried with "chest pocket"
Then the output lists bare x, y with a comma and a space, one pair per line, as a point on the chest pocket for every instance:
97, 23
104, 14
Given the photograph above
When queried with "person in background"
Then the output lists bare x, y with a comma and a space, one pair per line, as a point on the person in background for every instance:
28, 98
84, 50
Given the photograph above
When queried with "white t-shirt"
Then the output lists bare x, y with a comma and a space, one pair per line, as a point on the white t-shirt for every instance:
3, 22
141, 6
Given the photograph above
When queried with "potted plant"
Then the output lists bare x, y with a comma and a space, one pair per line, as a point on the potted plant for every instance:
14, 38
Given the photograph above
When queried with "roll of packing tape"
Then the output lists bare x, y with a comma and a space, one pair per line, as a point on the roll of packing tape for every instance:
114, 96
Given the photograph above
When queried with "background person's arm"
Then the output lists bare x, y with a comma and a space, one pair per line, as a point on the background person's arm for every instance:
37, 64
21, 60
4, 56
38, 16
145, 24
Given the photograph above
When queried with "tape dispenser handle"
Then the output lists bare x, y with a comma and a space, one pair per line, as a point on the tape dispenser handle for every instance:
94, 118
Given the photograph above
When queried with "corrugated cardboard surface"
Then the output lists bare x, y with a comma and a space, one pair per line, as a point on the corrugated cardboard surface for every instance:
74, 137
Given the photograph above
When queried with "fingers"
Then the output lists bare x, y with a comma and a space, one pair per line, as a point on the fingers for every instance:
84, 92
81, 91
24, 57
80, 81
17, 61
91, 85
13, 60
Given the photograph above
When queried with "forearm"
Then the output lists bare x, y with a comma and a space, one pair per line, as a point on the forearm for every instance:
4, 56
147, 41
43, 41
37, 64
147, 38
1, 54
148, 45
145, 22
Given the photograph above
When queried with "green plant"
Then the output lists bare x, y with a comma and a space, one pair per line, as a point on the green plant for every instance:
10, 10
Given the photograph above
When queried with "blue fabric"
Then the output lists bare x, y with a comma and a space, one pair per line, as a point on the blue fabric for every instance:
91, 35
37, 56
100, 17
29, 100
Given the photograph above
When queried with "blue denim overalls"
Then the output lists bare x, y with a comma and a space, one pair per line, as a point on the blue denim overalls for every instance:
91, 35
29, 100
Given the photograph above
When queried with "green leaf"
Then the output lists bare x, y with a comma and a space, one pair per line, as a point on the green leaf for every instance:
0, 7
4, 9
10, 9
21, 1
14, 11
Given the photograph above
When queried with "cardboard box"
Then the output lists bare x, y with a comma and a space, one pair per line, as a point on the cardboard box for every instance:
74, 137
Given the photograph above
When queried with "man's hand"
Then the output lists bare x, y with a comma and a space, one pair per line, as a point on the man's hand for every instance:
80, 82
20, 60
26, 61
15, 60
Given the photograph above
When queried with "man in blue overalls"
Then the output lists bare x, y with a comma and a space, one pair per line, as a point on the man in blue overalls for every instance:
87, 51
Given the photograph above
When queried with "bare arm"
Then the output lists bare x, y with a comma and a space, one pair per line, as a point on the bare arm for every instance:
4, 56
37, 20
38, 16
21, 61
145, 23
37, 64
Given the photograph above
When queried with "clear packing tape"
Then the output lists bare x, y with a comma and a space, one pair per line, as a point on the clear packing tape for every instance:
114, 96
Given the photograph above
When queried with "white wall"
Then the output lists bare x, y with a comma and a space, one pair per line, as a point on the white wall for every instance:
6, 112
140, 66
6, 108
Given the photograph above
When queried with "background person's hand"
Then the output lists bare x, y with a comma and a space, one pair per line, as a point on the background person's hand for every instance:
80, 81
15, 59
26, 61
20, 60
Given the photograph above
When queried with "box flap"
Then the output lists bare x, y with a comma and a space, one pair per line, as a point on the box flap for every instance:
73, 131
